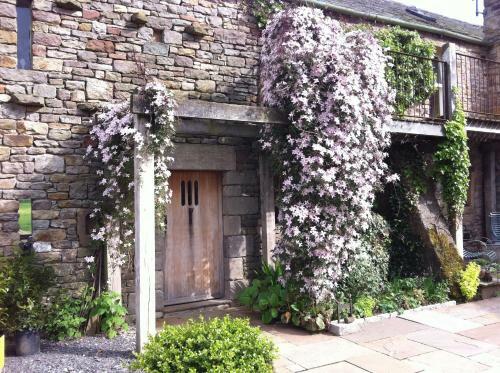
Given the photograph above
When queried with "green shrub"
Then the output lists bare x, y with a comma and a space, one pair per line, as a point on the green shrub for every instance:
303, 312
469, 280
218, 345
367, 271
111, 313
436, 291
364, 306
67, 316
266, 294
24, 284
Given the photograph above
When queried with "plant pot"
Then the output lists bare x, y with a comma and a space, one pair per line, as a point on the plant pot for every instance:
27, 342
2, 351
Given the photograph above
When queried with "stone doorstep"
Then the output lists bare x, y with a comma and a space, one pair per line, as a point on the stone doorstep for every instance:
206, 305
341, 329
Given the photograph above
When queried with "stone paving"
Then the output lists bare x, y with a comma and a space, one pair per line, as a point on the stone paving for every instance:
462, 338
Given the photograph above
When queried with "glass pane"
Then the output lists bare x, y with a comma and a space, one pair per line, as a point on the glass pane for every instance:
23, 37
25, 226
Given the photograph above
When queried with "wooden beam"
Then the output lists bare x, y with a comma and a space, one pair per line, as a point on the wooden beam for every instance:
489, 187
267, 211
200, 109
416, 128
144, 242
450, 57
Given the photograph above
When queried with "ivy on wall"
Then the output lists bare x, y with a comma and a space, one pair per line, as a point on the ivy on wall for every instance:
263, 10
413, 79
452, 163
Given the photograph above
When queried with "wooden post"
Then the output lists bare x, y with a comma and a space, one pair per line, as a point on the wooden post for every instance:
489, 187
450, 57
267, 207
144, 243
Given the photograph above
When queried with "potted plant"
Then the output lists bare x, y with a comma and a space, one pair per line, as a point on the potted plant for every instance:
25, 286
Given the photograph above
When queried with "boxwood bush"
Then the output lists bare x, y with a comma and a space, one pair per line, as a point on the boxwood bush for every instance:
217, 345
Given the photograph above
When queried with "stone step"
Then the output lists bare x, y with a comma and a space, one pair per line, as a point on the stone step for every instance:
206, 305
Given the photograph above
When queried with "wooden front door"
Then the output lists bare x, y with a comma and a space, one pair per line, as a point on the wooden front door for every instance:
193, 258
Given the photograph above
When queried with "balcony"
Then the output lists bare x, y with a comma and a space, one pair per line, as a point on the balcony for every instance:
429, 104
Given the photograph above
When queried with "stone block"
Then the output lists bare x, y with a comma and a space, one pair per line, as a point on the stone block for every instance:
12, 167
44, 90
69, 4
139, 18
45, 214
8, 238
7, 61
4, 153
97, 89
125, 67
78, 190
50, 40
48, 163
7, 10
233, 288
238, 246
17, 140
38, 128
9, 206
100, 46
172, 37
205, 86
27, 100
199, 29
183, 61
47, 64
50, 235
156, 49
8, 37
17, 75
240, 205
234, 269
7, 183
240, 177
232, 225
48, 17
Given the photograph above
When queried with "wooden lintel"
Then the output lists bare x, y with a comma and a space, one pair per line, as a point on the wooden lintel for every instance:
218, 111
416, 128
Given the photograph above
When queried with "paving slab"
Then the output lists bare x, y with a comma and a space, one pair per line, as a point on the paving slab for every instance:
379, 363
450, 342
488, 333
442, 361
487, 319
283, 365
398, 347
491, 358
319, 354
440, 321
384, 329
342, 367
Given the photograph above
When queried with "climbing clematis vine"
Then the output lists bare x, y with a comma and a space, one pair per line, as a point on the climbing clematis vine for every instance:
330, 158
114, 140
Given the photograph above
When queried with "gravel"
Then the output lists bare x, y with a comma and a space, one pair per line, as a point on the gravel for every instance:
88, 354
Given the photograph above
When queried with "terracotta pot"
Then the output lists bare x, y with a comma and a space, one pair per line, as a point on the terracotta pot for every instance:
27, 342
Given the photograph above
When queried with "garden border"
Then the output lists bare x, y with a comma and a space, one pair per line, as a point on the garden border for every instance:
341, 329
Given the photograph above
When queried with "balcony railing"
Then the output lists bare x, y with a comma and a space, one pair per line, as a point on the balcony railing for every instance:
478, 81
424, 97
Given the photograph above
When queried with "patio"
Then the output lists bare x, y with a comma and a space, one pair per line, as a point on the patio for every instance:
462, 338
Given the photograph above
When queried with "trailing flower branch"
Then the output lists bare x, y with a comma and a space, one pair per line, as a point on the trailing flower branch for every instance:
331, 157
114, 139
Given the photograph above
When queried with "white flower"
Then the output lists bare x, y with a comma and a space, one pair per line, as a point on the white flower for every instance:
89, 259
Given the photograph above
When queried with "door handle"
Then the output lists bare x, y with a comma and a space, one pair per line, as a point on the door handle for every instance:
191, 216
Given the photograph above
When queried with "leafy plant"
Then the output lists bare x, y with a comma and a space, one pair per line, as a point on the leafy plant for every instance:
266, 294
435, 291
453, 162
364, 306
217, 345
307, 314
24, 285
367, 270
67, 315
263, 10
469, 280
412, 78
111, 313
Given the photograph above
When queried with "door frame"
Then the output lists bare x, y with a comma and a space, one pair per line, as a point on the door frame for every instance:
220, 219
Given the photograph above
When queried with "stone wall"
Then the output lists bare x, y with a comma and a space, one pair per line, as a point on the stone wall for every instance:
81, 59
241, 221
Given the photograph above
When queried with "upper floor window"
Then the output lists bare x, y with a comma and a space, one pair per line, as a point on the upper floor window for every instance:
24, 19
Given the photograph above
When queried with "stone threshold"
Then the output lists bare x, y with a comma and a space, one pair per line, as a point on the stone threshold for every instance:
340, 329
206, 305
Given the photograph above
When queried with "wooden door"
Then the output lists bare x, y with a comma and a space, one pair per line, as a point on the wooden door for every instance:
193, 257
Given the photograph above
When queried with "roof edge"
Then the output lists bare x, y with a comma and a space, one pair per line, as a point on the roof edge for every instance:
395, 21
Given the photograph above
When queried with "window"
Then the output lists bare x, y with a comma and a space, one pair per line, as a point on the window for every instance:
25, 224
24, 58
